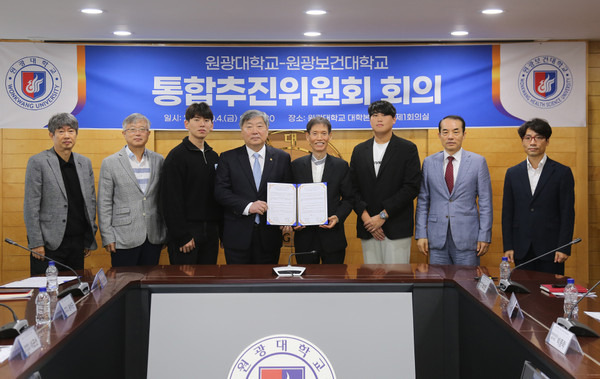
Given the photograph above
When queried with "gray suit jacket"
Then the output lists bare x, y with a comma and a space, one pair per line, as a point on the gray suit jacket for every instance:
45, 205
436, 207
126, 215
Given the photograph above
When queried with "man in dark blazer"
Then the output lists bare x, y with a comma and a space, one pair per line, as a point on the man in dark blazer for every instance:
329, 241
386, 176
241, 188
132, 229
60, 200
538, 207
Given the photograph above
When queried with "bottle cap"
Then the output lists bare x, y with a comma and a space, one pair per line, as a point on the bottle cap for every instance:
42, 289
570, 281
51, 263
504, 259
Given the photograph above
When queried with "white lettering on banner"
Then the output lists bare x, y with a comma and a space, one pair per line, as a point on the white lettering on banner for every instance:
318, 91
168, 89
296, 63
398, 90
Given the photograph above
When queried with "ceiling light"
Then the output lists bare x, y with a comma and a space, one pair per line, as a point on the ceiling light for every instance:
92, 11
122, 33
312, 34
460, 33
316, 12
492, 11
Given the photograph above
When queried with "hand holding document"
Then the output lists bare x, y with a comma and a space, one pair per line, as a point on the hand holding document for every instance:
297, 204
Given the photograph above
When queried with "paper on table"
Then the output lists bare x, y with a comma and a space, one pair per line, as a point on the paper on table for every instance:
36, 282
281, 203
4, 352
312, 204
595, 315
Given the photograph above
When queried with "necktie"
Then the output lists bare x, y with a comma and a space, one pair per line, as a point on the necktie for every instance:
256, 173
450, 175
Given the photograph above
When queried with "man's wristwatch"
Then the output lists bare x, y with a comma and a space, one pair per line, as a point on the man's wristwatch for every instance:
383, 215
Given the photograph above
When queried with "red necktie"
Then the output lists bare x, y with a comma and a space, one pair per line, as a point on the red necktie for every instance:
450, 175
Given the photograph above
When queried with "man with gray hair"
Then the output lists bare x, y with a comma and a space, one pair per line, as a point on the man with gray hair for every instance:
60, 200
131, 226
241, 188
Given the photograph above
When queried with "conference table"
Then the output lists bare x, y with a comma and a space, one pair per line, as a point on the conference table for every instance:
458, 331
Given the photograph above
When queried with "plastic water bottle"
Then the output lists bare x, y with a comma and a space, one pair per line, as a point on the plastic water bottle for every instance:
504, 268
42, 307
571, 297
52, 279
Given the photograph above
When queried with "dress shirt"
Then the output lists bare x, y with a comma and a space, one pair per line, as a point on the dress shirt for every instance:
317, 165
262, 153
455, 164
141, 169
535, 173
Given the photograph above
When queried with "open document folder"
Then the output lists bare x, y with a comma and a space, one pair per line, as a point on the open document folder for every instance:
297, 204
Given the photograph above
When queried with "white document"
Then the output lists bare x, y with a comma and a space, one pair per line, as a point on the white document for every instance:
281, 204
312, 204
297, 204
36, 282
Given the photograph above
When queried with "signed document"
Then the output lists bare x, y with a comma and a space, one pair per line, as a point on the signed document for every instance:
297, 204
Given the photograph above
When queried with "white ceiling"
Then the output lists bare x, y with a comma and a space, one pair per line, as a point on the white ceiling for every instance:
285, 20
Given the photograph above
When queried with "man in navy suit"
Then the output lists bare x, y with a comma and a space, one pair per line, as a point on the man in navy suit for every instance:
449, 226
386, 176
538, 207
241, 188
329, 241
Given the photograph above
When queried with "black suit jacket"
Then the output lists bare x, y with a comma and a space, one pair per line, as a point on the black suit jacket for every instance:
339, 202
235, 188
394, 189
542, 221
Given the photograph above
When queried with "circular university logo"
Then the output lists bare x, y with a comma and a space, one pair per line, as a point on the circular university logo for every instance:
281, 357
33, 83
545, 82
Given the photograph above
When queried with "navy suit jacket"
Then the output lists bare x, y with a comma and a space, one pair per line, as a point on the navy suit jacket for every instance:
542, 221
235, 188
336, 174
394, 189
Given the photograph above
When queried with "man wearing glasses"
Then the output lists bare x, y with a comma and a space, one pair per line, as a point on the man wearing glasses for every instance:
538, 207
131, 227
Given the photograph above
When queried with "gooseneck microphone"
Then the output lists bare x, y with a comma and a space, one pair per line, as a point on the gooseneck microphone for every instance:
289, 270
12, 329
575, 326
80, 289
506, 285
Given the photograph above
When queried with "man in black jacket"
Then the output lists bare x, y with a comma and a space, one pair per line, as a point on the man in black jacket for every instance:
329, 241
386, 175
191, 213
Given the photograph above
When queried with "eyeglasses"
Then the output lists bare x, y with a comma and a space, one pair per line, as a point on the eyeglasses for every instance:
537, 138
136, 130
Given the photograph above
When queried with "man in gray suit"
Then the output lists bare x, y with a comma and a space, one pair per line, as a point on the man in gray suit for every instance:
60, 201
449, 227
131, 227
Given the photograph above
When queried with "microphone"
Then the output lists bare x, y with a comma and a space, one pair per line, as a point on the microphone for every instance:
12, 329
506, 285
80, 289
575, 326
289, 270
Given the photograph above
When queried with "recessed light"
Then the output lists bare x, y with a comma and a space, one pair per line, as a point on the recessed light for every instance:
312, 34
122, 33
460, 33
316, 12
492, 11
92, 11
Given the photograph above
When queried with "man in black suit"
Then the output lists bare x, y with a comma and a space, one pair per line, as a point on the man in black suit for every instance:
329, 241
241, 188
538, 207
386, 175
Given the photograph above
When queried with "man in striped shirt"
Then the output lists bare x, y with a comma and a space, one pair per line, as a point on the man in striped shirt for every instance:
132, 229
